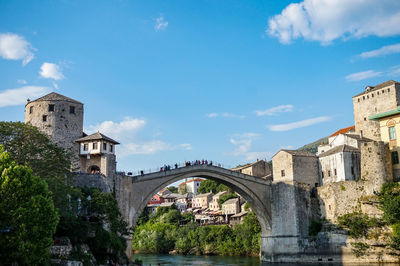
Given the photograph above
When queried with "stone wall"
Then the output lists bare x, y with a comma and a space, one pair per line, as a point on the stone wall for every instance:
305, 170
91, 181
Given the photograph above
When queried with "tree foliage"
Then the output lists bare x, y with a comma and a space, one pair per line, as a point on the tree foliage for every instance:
96, 222
173, 189
28, 218
209, 185
357, 224
26, 145
161, 235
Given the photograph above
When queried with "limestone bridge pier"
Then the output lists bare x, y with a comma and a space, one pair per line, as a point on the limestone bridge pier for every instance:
282, 209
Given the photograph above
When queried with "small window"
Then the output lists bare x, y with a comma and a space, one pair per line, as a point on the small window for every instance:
395, 157
322, 174
392, 133
335, 171
104, 146
358, 99
352, 170
85, 147
44, 118
94, 145
383, 91
363, 97
51, 107
282, 172
388, 90
72, 109
367, 96
31, 109
365, 119
329, 172
111, 147
372, 95
377, 93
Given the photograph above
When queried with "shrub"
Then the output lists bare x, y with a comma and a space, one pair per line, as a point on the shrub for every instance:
315, 227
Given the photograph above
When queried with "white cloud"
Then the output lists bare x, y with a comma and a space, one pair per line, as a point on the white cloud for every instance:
394, 71
274, 110
186, 146
51, 71
161, 24
327, 20
15, 47
385, 50
22, 81
243, 144
119, 130
20, 95
126, 133
299, 124
363, 75
224, 114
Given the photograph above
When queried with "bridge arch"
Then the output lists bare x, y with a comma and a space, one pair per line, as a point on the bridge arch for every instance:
256, 191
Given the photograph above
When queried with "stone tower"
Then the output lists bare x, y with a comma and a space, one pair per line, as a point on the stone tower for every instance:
61, 118
374, 100
97, 154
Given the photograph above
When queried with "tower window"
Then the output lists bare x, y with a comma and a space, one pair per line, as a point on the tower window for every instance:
282, 172
392, 133
31, 109
44, 118
322, 174
395, 157
72, 109
329, 172
51, 107
94, 145
111, 148
85, 147
104, 146
335, 171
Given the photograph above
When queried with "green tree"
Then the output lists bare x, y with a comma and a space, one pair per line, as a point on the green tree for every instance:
209, 185
26, 145
28, 218
173, 189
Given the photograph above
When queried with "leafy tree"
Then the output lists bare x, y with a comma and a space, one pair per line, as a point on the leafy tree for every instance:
357, 224
389, 199
209, 185
28, 218
26, 145
226, 197
173, 189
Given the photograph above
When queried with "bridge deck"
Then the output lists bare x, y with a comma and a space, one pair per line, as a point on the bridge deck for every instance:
198, 171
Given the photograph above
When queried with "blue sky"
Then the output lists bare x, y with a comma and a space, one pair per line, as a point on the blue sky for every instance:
230, 81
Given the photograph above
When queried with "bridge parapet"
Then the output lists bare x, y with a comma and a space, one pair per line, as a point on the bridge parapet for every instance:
198, 169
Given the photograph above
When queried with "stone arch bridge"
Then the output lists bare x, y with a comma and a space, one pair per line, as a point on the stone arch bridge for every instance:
278, 206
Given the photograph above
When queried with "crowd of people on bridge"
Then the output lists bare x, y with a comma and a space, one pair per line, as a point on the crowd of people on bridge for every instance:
168, 167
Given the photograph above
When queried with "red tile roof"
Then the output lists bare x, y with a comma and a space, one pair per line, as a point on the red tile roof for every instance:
343, 131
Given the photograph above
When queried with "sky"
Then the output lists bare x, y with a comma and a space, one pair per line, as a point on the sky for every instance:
228, 81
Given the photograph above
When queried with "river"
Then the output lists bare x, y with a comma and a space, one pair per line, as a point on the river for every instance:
162, 259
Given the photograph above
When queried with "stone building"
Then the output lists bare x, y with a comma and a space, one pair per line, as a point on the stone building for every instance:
374, 100
202, 201
260, 168
59, 117
295, 166
231, 206
97, 154
214, 206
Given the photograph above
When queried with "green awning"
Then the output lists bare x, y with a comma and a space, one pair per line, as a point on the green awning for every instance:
385, 114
